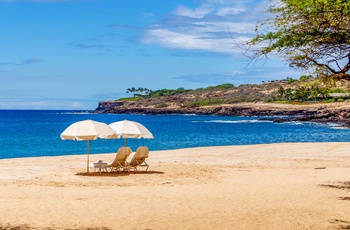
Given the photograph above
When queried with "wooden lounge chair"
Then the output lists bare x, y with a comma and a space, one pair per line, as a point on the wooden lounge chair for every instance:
139, 158
120, 159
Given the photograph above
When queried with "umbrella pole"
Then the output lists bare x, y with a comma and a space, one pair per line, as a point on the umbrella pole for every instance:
88, 156
124, 142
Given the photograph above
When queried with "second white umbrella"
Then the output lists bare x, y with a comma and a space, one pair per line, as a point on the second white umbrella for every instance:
130, 129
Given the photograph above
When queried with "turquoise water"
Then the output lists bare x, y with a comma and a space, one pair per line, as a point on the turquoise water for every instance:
26, 133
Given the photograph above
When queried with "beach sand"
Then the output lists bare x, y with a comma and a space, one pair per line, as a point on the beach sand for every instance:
269, 186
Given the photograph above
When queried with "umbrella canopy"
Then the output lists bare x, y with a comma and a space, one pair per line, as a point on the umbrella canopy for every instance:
130, 129
88, 130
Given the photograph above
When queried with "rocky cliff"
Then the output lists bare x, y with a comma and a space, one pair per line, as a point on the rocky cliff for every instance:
320, 112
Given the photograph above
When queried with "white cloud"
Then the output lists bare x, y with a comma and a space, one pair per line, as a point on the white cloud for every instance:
243, 76
230, 11
214, 26
167, 38
224, 27
196, 13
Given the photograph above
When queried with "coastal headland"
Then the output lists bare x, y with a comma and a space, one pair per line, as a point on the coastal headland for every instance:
336, 112
268, 186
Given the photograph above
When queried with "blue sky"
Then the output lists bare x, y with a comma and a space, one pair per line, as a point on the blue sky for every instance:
71, 54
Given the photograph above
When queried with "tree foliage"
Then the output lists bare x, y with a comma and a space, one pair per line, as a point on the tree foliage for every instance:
310, 34
303, 93
139, 91
168, 92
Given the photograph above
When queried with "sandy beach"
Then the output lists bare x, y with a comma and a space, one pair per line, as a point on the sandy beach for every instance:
269, 186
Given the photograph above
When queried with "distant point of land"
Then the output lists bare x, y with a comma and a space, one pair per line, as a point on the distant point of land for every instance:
306, 99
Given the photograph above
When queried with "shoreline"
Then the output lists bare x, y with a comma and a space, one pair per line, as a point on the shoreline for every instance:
337, 112
262, 186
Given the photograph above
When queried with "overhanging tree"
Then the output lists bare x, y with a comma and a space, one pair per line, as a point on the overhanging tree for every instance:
310, 34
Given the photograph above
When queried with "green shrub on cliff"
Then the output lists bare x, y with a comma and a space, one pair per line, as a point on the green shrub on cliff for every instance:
204, 102
220, 87
328, 101
172, 92
169, 92
299, 91
128, 99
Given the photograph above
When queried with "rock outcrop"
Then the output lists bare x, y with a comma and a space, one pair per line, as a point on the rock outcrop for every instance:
336, 113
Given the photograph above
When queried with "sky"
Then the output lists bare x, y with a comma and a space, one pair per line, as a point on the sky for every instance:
71, 54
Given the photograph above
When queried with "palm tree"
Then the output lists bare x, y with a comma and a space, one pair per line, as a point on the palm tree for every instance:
281, 92
147, 92
315, 92
128, 91
140, 90
133, 90
288, 94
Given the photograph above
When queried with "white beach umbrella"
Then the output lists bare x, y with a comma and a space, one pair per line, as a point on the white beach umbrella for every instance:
88, 130
130, 129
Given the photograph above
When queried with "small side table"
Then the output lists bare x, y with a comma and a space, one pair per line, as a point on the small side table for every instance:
101, 166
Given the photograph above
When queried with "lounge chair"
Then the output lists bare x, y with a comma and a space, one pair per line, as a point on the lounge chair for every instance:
139, 158
120, 159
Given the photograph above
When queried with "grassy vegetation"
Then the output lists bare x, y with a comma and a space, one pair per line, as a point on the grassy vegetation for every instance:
128, 99
168, 92
218, 87
205, 102
304, 90
181, 90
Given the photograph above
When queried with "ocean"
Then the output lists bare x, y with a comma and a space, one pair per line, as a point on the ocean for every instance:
33, 133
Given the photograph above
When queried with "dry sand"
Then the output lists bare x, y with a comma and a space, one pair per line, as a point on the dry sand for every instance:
270, 186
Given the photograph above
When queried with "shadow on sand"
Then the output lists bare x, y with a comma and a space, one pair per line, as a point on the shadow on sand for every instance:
117, 174
344, 185
341, 223
340, 185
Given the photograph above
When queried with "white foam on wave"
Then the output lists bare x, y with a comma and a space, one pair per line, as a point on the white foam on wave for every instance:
188, 114
234, 122
78, 113
294, 123
327, 124
337, 126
